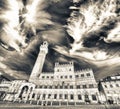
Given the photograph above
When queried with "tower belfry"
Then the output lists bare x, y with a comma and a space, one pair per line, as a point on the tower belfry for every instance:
37, 69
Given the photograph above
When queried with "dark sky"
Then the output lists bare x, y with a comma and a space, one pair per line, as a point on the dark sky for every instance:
85, 32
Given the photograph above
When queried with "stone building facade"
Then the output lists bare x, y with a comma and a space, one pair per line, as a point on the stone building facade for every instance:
64, 86
4, 86
19, 90
110, 86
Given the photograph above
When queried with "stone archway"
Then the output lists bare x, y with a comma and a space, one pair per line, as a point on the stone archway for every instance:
24, 90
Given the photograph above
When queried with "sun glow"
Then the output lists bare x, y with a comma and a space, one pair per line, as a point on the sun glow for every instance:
19, 19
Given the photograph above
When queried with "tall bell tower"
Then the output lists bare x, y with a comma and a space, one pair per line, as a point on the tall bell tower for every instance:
37, 69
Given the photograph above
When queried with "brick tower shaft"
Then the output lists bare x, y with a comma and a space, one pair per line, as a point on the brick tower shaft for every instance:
37, 69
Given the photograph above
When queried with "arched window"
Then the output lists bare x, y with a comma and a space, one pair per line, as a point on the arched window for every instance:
79, 97
66, 96
55, 96
94, 97
31, 89
78, 86
23, 90
49, 96
38, 96
82, 75
111, 85
33, 95
88, 74
60, 96
71, 96
44, 95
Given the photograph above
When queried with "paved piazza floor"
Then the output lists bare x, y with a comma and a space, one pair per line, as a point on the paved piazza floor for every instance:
28, 106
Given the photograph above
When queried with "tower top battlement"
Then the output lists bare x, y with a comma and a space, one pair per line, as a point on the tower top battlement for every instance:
57, 64
69, 67
44, 45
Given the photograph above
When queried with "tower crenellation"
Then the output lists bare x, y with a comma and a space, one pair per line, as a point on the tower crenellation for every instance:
64, 67
44, 47
70, 64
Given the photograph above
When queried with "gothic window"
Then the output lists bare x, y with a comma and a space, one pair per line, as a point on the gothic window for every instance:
43, 76
61, 87
56, 87
23, 90
66, 96
66, 76
61, 77
84, 86
91, 86
45, 87
38, 96
71, 87
66, 87
88, 74
40, 86
60, 96
31, 89
111, 85
77, 76
71, 96
49, 95
86, 96
33, 95
47, 76
94, 97
50, 87
44, 95
55, 96
82, 75
78, 86
79, 97
70, 76
51, 77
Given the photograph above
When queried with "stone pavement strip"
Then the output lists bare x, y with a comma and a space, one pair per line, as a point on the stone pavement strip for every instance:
28, 106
